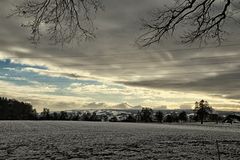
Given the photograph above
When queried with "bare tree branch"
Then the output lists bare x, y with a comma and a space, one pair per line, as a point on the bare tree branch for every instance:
203, 21
62, 20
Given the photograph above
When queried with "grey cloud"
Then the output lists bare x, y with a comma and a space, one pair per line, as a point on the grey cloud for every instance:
185, 106
114, 54
95, 105
161, 107
223, 85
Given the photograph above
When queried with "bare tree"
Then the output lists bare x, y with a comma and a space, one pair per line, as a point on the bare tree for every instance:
203, 21
62, 20
202, 109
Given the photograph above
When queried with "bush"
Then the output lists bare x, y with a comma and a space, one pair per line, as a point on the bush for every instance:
183, 116
159, 116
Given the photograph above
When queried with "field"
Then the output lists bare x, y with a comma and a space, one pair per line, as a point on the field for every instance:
90, 140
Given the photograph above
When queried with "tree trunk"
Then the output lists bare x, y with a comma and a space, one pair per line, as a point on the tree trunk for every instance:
202, 117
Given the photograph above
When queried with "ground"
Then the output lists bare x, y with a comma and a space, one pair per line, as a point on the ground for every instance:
103, 140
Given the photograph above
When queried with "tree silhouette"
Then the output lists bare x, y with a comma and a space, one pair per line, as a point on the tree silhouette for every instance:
146, 114
86, 116
55, 116
11, 109
202, 109
62, 20
169, 118
230, 118
34, 114
113, 119
183, 116
45, 114
159, 116
130, 118
172, 117
201, 20
76, 116
94, 117
63, 115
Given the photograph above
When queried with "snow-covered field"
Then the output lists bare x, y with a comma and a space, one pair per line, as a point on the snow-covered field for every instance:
89, 140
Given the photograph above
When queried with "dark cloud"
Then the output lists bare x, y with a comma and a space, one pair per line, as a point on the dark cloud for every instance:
224, 85
113, 54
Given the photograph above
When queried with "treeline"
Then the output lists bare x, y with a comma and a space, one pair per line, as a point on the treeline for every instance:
144, 115
11, 109
47, 115
148, 115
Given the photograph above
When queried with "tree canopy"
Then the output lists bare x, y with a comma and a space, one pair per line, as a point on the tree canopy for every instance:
146, 114
199, 20
62, 20
202, 109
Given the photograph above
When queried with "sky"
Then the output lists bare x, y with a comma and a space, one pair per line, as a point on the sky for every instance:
111, 71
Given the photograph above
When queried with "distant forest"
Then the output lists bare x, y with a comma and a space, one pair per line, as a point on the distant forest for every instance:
11, 109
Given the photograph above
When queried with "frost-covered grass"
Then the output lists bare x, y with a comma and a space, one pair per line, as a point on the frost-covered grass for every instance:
90, 140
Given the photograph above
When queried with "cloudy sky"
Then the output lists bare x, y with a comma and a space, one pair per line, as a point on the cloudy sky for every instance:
111, 69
